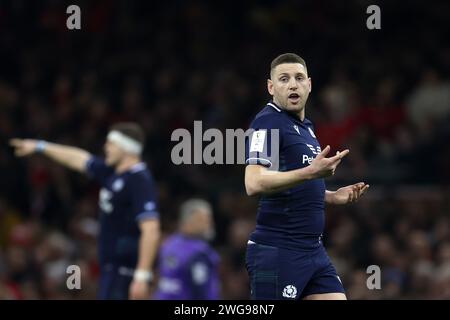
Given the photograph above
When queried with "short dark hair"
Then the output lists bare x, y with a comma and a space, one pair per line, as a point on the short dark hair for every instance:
286, 58
130, 129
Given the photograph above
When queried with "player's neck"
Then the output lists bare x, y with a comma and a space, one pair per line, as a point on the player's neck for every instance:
188, 231
300, 114
126, 164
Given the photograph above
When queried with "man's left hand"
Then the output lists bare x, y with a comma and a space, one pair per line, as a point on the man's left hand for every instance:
349, 194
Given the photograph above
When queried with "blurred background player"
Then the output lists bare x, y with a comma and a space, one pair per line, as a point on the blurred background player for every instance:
285, 255
129, 220
188, 266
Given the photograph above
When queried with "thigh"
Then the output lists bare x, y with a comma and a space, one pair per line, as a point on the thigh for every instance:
296, 270
326, 296
262, 267
113, 285
277, 273
325, 283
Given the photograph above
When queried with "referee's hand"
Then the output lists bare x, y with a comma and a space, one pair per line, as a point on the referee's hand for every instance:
323, 167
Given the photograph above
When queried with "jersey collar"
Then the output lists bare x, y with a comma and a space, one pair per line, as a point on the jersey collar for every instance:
273, 105
278, 109
137, 167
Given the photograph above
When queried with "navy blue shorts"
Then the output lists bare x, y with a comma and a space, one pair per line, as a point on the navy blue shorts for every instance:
115, 282
278, 273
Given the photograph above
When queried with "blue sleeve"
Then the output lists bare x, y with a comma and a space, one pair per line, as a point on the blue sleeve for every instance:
97, 169
204, 281
144, 198
264, 142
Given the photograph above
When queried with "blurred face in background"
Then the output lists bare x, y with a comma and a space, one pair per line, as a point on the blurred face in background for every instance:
113, 153
202, 223
290, 86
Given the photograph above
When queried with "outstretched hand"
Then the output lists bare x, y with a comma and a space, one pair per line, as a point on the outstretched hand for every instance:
23, 147
349, 194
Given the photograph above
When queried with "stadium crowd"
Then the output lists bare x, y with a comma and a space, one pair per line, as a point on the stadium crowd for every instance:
384, 94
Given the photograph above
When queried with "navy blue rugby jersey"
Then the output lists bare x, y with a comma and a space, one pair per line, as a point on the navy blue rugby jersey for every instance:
293, 218
124, 200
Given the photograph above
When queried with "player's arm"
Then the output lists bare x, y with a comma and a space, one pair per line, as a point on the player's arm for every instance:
70, 157
148, 246
347, 194
148, 243
261, 180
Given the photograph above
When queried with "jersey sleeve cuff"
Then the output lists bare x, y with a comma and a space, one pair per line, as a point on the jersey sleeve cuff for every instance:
261, 161
147, 215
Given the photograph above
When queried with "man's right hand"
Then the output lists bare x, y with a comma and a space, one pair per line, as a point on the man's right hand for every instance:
322, 167
23, 147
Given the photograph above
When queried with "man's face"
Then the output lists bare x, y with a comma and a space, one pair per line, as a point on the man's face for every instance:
204, 223
113, 153
290, 86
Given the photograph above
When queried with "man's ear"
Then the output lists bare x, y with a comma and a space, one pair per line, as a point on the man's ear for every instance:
310, 85
270, 86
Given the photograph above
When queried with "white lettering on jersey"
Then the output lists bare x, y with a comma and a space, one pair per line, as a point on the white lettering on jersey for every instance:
307, 159
316, 150
105, 200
